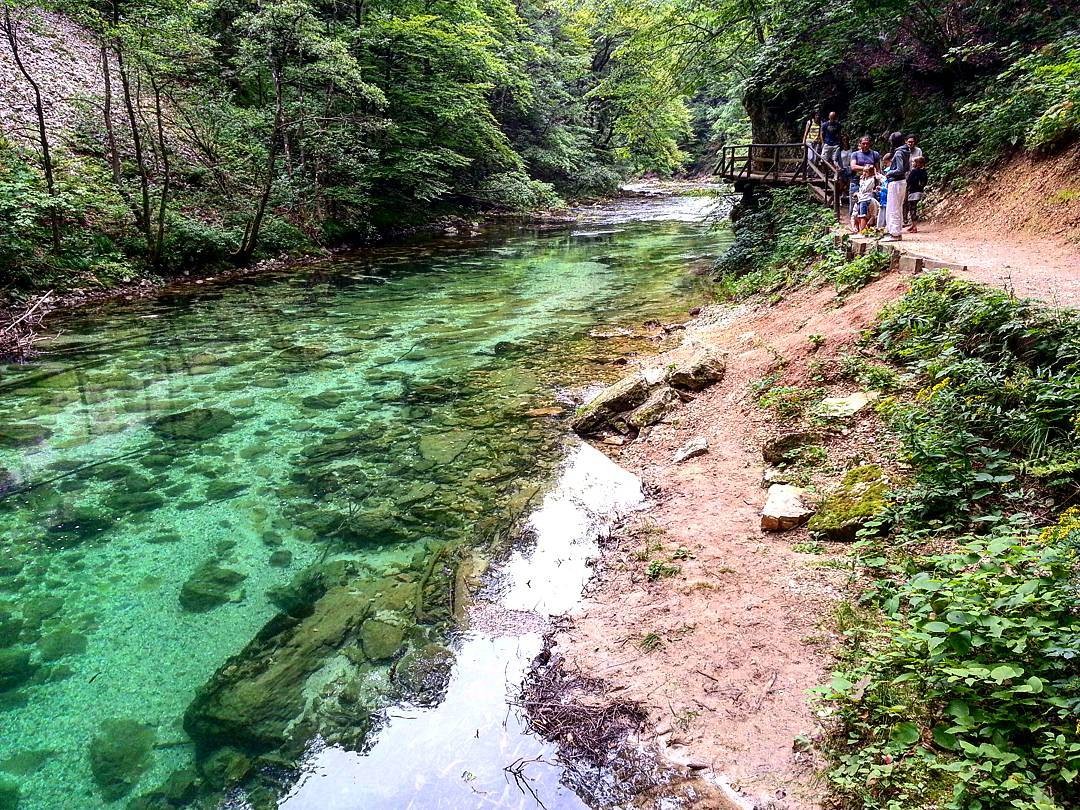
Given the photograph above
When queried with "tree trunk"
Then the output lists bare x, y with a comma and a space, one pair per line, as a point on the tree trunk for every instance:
251, 232
11, 30
110, 131
142, 213
159, 238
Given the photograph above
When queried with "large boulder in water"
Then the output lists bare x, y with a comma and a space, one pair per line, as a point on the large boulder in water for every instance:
253, 700
119, 755
195, 425
598, 413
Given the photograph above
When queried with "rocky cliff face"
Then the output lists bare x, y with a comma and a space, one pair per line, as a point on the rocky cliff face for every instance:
64, 60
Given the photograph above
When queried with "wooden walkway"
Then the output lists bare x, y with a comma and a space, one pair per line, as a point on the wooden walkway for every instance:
780, 164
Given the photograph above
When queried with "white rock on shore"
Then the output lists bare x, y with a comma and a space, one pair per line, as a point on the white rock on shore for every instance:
785, 509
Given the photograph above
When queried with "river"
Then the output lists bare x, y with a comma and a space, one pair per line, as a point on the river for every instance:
243, 523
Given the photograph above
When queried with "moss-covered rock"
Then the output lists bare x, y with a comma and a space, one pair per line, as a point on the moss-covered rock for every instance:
119, 755
860, 496
15, 668
9, 795
660, 403
257, 696
614, 400
61, 643
423, 674
381, 638
22, 434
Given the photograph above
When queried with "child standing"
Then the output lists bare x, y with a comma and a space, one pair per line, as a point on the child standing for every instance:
867, 204
916, 186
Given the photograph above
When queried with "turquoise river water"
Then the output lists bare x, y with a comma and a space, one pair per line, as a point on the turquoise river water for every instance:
235, 519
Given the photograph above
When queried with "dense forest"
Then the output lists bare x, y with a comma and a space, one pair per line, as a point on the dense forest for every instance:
225, 131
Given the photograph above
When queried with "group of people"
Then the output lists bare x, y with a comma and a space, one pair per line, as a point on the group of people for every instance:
884, 191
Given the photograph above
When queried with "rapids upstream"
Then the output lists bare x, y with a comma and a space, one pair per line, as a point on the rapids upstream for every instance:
255, 535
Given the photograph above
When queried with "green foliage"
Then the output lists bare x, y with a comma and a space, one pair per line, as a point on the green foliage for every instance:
192, 245
776, 244
849, 276
516, 192
869, 374
1002, 393
658, 569
789, 400
967, 695
87, 256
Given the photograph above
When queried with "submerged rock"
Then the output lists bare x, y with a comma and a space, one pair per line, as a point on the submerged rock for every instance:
15, 668
7, 481
9, 795
136, 502
381, 639
424, 674
61, 643
614, 400
255, 699
209, 587
282, 558
702, 370
197, 424
223, 490
119, 756
660, 403
784, 509
860, 497
22, 434
77, 523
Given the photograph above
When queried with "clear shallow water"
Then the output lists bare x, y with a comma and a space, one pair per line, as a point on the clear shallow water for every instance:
324, 447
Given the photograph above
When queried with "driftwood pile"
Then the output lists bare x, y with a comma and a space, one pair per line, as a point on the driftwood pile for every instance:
569, 709
19, 328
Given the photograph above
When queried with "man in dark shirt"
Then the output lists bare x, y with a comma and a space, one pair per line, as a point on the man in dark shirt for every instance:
831, 132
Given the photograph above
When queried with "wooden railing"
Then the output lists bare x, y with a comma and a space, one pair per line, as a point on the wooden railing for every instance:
781, 164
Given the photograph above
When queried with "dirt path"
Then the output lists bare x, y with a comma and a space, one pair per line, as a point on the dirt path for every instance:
1047, 268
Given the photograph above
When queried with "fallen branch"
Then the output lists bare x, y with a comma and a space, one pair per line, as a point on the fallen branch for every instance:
17, 338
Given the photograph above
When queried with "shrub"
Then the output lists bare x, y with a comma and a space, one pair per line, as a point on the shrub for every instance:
191, 244
967, 696
776, 243
515, 191
1002, 391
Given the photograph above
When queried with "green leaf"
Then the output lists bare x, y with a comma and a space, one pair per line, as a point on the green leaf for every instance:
936, 627
943, 739
840, 684
1004, 672
905, 734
